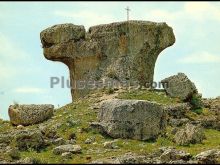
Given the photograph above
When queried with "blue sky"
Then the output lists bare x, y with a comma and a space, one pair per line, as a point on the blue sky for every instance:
25, 73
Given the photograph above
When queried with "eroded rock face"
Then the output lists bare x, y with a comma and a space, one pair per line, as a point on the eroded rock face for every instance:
135, 119
29, 114
121, 51
180, 86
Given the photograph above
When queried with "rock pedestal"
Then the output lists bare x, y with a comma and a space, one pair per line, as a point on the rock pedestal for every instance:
121, 51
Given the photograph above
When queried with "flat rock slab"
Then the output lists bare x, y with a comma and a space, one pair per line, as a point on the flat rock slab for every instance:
30, 114
134, 119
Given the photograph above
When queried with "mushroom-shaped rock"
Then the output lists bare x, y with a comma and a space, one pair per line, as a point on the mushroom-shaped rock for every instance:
122, 51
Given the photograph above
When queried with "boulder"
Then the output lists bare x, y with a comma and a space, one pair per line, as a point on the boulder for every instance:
135, 119
67, 148
179, 86
208, 157
122, 50
29, 140
191, 134
171, 154
178, 110
29, 114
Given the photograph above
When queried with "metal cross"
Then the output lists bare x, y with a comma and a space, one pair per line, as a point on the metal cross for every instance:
127, 12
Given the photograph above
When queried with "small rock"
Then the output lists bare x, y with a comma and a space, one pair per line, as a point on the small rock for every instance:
67, 155
14, 153
110, 145
171, 154
20, 127
59, 141
67, 148
90, 140
71, 141
191, 134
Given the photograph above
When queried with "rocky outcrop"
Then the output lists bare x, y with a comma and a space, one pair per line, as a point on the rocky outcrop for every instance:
191, 134
29, 140
67, 148
178, 110
121, 51
135, 119
179, 86
208, 157
29, 114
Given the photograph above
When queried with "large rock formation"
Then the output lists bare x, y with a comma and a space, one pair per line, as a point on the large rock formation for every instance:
121, 51
135, 119
29, 114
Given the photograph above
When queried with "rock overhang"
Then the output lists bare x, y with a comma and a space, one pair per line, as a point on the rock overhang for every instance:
129, 48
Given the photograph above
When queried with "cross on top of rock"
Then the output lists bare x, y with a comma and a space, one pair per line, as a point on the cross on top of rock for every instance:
128, 9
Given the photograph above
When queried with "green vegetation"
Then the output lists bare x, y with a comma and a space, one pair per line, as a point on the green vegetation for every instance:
196, 103
76, 117
149, 95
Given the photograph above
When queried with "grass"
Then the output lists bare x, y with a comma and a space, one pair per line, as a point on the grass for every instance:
149, 95
75, 118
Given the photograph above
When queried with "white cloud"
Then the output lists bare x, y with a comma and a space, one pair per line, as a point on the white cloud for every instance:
29, 90
201, 57
197, 11
202, 10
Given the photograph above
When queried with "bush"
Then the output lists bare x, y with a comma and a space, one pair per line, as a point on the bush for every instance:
196, 103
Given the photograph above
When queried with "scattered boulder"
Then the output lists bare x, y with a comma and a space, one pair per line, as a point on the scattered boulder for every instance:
208, 157
171, 154
135, 119
67, 155
179, 86
29, 139
90, 140
14, 153
110, 145
67, 148
212, 104
178, 122
127, 158
191, 134
178, 110
59, 141
29, 114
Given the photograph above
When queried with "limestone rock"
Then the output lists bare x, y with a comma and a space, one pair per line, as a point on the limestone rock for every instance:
191, 134
135, 119
29, 114
29, 139
171, 154
179, 86
14, 153
208, 157
67, 148
178, 110
67, 155
121, 50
